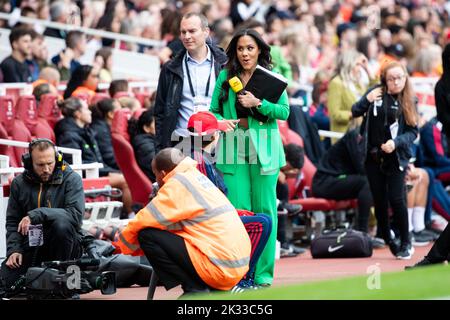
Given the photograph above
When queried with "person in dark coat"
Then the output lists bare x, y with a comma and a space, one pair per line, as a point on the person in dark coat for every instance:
340, 175
102, 114
176, 100
389, 128
142, 136
47, 193
73, 131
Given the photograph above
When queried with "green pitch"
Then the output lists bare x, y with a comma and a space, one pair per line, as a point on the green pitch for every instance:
422, 283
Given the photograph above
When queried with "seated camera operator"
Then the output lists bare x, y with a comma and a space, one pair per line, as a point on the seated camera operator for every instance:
47, 193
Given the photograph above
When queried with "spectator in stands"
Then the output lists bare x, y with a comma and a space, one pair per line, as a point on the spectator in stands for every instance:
434, 147
257, 167
59, 212
170, 32
73, 131
59, 12
68, 59
242, 10
112, 19
103, 58
439, 253
118, 86
37, 60
40, 51
48, 75
417, 184
142, 136
186, 83
102, 116
345, 88
14, 67
130, 103
43, 88
428, 62
217, 257
389, 128
84, 81
441, 91
340, 175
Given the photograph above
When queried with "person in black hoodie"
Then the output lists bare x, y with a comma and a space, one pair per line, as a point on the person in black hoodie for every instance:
142, 136
48, 193
442, 93
73, 131
389, 129
102, 114
340, 175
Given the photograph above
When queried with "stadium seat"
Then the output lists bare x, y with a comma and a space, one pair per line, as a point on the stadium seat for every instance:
49, 110
99, 96
137, 113
8, 150
142, 96
27, 115
300, 192
140, 186
7, 112
122, 94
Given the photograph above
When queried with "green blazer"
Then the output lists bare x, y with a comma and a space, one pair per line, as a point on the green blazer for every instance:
265, 137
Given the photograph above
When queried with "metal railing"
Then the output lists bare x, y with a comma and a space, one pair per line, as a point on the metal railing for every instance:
117, 37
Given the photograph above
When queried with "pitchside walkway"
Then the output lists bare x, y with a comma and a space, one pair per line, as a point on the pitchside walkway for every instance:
292, 271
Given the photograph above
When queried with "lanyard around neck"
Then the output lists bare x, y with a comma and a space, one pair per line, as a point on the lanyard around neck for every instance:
191, 87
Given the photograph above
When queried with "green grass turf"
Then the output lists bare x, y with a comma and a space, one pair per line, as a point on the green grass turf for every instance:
422, 283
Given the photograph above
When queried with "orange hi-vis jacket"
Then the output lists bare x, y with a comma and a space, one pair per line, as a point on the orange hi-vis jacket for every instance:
191, 206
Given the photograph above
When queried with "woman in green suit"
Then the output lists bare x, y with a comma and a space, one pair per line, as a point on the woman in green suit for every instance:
250, 153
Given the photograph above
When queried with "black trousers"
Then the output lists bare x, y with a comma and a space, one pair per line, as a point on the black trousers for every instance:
440, 251
61, 243
168, 255
346, 187
388, 189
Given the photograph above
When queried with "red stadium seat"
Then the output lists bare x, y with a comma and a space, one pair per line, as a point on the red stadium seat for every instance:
49, 110
301, 193
122, 94
140, 186
7, 112
99, 96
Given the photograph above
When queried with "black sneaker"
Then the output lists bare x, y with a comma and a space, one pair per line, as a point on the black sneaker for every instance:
422, 263
421, 238
406, 251
394, 247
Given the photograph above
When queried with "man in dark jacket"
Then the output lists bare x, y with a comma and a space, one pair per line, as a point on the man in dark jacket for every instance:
14, 67
340, 175
186, 83
49, 194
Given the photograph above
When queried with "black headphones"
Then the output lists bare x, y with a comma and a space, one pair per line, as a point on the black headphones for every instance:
26, 157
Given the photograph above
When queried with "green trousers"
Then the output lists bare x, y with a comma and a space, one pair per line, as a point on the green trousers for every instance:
252, 190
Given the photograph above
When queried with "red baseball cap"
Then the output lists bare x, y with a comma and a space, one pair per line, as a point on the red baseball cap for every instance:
202, 123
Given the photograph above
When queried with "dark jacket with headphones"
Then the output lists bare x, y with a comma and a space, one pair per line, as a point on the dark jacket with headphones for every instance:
405, 136
62, 197
70, 135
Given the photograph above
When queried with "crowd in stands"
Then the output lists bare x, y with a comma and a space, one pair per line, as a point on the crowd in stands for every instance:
340, 58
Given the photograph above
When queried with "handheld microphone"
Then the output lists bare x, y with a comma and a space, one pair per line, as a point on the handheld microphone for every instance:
236, 85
